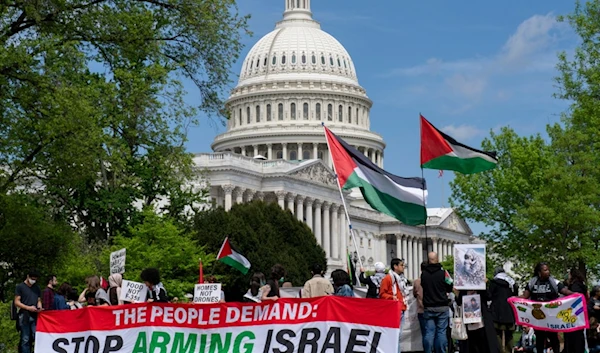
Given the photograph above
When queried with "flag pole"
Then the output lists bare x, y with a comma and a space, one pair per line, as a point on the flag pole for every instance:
423, 187
345, 209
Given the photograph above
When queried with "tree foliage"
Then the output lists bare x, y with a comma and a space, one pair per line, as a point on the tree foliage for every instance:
266, 235
91, 104
160, 243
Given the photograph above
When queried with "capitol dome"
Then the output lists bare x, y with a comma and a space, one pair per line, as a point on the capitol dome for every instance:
293, 80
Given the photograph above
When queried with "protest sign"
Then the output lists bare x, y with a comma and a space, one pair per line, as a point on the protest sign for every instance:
117, 261
564, 314
325, 324
471, 308
207, 293
469, 266
134, 292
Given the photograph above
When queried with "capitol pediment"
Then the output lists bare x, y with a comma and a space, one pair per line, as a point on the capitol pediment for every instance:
316, 171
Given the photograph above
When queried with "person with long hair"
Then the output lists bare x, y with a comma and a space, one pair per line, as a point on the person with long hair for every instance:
342, 285
543, 287
115, 282
257, 284
93, 294
271, 290
60, 297
575, 341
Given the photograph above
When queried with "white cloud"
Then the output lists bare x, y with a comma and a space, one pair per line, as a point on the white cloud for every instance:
462, 132
471, 87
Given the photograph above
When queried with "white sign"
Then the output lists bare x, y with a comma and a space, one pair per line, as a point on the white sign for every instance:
471, 305
469, 266
134, 292
207, 293
117, 261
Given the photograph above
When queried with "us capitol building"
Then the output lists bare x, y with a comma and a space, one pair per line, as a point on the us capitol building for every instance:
293, 79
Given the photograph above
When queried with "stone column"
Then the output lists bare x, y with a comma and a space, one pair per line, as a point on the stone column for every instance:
269, 151
281, 198
344, 234
366, 152
317, 229
381, 160
398, 251
239, 195
300, 207
415, 260
290, 201
315, 150
300, 151
228, 189
419, 257
409, 258
382, 249
435, 245
335, 233
243, 150
404, 247
255, 150
374, 157
309, 213
326, 230
250, 195
260, 195
284, 151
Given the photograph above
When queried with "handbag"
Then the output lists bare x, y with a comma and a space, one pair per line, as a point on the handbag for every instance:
459, 330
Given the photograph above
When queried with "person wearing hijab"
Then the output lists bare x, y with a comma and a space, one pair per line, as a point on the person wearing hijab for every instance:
115, 282
373, 282
501, 288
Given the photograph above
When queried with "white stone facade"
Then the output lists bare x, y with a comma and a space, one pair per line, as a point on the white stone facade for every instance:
293, 80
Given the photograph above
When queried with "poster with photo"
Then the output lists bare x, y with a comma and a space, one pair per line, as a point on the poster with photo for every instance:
469, 266
471, 305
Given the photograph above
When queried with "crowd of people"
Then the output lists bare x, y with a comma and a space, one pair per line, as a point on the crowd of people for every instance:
436, 299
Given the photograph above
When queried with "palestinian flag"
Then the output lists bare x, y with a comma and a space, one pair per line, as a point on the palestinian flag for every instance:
401, 198
232, 258
440, 151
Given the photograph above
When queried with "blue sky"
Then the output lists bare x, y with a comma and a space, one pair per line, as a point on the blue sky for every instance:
469, 67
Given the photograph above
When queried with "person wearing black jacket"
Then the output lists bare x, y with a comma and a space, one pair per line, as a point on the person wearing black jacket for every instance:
594, 303
373, 282
156, 290
436, 283
500, 289
575, 341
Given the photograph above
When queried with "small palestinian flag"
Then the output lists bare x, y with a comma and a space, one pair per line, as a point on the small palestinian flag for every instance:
440, 151
232, 258
447, 278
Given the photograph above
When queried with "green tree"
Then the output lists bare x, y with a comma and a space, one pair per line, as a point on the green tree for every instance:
91, 103
266, 235
159, 242
31, 239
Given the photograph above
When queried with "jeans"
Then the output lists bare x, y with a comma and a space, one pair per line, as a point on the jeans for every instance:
400, 334
434, 338
27, 324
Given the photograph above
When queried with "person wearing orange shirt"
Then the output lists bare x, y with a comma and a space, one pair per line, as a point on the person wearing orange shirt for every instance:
394, 287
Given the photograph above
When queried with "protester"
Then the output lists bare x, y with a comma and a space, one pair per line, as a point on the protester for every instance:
115, 281
436, 283
271, 289
482, 336
93, 294
542, 287
575, 340
373, 283
593, 336
594, 303
317, 286
501, 288
418, 294
60, 297
156, 290
48, 293
213, 279
342, 284
393, 287
72, 300
29, 303
527, 342
257, 284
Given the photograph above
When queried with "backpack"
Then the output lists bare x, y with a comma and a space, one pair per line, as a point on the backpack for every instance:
14, 311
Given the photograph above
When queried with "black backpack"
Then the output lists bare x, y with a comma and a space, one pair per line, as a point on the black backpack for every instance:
14, 311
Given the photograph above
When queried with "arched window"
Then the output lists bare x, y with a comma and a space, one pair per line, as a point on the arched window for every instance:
303, 59
280, 111
339, 64
293, 111
356, 116
251, 64
257, 62
318, 111
268, 112
283, 60
345, 64
293, 155
265, 61
305, 155
314, 59
349, 115
247, 115
329, 112
340, 114
305, 111
240, 116
279, 154
322, 60
331, 61
293, 58
274, 62
258, 113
